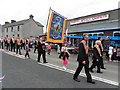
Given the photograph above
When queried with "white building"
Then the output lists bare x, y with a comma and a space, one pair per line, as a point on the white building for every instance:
25, 28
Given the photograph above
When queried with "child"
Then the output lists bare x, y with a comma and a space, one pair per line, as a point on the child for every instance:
110, 52
27, 50
65, 60
49, 48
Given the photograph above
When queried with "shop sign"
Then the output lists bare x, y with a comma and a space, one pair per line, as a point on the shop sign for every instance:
90, 19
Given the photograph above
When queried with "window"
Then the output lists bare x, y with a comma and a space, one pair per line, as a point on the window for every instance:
100, 34
18, 35
18, 28
116, 33
6, 35
11, 29
7, 30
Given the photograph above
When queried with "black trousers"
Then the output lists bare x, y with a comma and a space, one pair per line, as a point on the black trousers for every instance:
18, 49
13, 47
35, 49
2, 45
8, 46
27, 54
61, 54
101, 62
23, 46
43, 53
94, 64
86, 67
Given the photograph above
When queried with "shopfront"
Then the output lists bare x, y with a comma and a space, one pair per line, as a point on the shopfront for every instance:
100, 24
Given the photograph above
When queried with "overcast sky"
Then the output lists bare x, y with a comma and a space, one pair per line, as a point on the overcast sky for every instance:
21, 9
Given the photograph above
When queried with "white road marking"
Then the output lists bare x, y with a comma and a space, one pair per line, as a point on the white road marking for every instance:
67, 70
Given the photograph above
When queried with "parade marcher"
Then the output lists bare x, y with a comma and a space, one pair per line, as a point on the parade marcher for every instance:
101, 49
22, 43
96, 57
8, 43
5, 42
27, 50
18, 44
41, 50
1, 43
12, 42
83, 61
35, 45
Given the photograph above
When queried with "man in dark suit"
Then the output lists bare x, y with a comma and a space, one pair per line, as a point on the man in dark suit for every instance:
83, 61
41, 50
96, 57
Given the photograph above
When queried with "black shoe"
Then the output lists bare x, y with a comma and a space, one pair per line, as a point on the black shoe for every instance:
103, 68
92, 82
45, 62
91, 70
99, 72
76, 79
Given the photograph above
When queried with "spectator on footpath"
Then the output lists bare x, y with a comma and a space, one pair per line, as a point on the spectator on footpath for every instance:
49, 48
114, 55
27, 50
118, 54
110, 52
101, 50
65, 60
83, 61
64, 49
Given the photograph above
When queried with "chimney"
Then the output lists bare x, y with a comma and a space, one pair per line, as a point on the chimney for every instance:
6, 22
12, 21
31, 16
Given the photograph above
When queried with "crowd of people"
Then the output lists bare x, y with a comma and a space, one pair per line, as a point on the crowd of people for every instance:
16, 45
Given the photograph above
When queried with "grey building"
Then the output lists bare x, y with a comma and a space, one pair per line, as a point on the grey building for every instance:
24, 28
99, 24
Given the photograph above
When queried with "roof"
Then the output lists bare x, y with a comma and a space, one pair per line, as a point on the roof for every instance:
93, 14
22, 22
16, 23
39, 24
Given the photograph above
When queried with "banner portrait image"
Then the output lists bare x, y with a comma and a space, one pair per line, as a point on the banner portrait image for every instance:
56, 28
